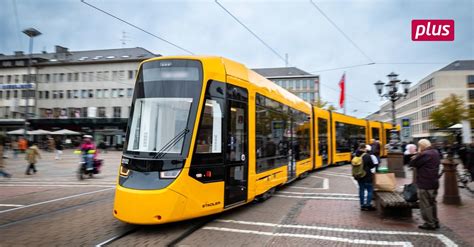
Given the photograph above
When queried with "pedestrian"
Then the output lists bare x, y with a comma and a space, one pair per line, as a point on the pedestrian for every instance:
375, 146
59, 149
51, 144
103, 146
427, 163
409, 152
365, 178
22, 144
32, 155
2, 165
14, 147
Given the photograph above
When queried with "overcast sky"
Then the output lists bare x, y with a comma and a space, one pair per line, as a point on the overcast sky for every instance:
382, 29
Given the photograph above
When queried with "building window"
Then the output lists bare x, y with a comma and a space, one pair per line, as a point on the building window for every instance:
106, 75
470, 79
61, 94
1, 79
15, 94
114, 75
471, 94
76, 76
99, 76
84, 76
7, 96
76, 94
46, 94
62, 77
114, 93
84, 94
121, 92
9, 78
69, 94
130, 74
99, 93
117, 111
40, 94
101, 111
91, 76
69, 77
17, 78
106, 93
129, 92
91, 93
47, 78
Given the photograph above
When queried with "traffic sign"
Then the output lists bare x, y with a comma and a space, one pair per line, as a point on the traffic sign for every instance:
406, 123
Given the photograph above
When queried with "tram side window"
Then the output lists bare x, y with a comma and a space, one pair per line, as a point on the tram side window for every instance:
271, 142
342, 138
348, 137
323, 136
387, 136
209, 137
301, 141
375, 133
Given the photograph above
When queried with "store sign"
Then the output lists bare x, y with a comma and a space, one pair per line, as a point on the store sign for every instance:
16, 86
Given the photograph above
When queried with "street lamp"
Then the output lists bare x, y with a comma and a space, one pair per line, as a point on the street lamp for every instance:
30, 32
393, 95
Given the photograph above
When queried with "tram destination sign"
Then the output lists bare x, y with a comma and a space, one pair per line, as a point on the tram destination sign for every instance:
16, 86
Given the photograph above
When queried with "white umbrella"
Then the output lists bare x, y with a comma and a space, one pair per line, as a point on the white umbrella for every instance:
456, 126
65, 132
17, 132
39, 132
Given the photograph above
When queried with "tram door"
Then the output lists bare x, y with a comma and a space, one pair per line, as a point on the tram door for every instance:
236, 166
323, 141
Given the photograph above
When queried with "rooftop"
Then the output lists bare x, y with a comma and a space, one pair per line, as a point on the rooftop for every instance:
63, 55
282, 72
459, 65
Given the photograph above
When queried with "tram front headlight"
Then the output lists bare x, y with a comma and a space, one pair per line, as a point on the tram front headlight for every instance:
170, 173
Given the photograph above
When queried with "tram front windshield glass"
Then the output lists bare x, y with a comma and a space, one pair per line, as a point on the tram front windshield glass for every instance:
164, 108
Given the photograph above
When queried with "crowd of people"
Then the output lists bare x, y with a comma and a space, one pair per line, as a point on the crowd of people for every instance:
425, 159
31, 150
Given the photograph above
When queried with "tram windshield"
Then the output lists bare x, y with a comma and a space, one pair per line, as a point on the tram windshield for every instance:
164, 109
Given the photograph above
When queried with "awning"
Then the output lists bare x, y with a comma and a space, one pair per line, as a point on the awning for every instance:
65, 132
17, 132
39, 132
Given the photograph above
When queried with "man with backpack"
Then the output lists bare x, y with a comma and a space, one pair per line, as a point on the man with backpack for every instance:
361, 171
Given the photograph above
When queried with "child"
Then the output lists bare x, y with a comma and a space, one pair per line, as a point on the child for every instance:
31, 156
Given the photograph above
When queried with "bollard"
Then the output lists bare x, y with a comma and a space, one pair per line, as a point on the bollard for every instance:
395, 164
451, 191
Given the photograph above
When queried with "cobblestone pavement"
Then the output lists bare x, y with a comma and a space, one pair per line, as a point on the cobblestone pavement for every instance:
54, 208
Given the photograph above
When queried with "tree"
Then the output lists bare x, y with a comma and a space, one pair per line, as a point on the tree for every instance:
451, 111
324, 105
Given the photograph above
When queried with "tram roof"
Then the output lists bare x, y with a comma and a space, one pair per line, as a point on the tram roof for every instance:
240, 71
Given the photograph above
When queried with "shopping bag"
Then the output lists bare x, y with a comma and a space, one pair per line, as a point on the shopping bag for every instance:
385, 182
410, 193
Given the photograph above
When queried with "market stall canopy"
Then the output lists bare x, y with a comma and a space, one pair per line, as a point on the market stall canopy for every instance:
65, 132
39, 132
17, 132
456, 126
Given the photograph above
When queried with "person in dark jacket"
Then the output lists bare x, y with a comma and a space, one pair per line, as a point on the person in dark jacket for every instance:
365, 183
427, 163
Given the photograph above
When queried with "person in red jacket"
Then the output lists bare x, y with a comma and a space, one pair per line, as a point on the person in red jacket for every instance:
427, 162
89, 152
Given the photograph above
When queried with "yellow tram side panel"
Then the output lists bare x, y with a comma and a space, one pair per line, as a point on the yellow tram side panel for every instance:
386, 127
337, 117
379, 127
323, 114
262, 182
185, 198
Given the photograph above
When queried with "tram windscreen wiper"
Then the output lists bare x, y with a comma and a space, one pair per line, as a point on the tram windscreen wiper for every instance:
170, 144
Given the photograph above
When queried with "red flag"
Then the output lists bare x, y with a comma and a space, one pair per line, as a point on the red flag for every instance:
341, 85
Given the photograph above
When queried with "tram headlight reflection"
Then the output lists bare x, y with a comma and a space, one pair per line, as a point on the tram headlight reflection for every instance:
170, 173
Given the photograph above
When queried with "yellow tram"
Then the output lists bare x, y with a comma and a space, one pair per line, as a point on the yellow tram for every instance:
206, 134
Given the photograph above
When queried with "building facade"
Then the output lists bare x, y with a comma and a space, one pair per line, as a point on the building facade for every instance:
297, 81
86, 91
456, 78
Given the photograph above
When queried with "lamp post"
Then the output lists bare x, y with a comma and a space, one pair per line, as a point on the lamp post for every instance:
30, 32
395, 157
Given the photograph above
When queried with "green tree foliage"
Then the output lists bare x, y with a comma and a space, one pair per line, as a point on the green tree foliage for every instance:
451, 111
324, 105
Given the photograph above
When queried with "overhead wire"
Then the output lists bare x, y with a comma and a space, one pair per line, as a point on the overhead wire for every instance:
341, 31
137, 27
251, 32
